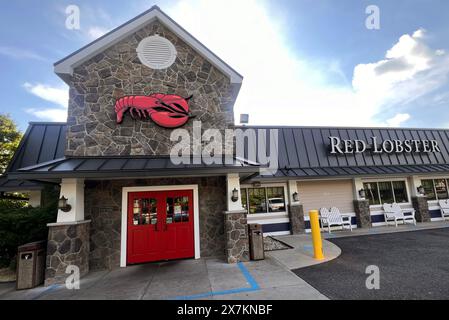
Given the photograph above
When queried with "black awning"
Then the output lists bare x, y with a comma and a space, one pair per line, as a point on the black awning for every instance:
330, 172
116, 167
7, 185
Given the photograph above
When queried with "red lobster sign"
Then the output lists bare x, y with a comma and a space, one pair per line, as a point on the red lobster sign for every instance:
166, 110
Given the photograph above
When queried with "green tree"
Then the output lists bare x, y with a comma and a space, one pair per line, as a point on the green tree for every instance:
9, 140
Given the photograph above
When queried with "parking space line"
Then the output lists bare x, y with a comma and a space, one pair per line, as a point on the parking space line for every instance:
254, 286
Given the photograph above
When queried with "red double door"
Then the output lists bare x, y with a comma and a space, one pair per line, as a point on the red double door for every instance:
160, 226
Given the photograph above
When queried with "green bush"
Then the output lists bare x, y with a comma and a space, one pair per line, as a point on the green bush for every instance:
20, 225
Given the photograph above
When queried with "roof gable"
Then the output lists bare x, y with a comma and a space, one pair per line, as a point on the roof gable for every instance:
64, 68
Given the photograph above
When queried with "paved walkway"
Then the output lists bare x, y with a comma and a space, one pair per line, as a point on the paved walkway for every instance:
187, 279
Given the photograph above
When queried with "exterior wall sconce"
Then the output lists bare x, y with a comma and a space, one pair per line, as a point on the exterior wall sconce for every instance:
295, 196
421, 190
235, 195
362, 193
63, 205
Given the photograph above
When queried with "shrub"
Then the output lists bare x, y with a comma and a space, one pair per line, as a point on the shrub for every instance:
20, 225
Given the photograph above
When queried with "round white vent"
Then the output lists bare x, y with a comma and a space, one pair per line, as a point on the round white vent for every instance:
156, 52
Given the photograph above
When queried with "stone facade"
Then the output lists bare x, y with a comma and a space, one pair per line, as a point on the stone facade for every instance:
103, 205
362, 213
236, 232
296, 214
117, 72
67, 245
421, 209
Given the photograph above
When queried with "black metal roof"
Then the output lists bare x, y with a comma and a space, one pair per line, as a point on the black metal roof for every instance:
303, 152
101, 167
18, 185
42, 142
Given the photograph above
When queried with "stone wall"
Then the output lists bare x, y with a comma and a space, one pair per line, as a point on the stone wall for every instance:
117, 72
236, 233
421, 207
363, 213
296, 215
103, 205
67, 245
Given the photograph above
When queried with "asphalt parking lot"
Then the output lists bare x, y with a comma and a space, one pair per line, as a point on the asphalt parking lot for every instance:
413, 265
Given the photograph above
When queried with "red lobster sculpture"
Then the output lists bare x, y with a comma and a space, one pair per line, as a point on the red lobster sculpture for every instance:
166, 110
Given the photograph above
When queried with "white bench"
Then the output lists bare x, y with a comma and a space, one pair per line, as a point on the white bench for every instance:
333, 217
393, 212
444, 207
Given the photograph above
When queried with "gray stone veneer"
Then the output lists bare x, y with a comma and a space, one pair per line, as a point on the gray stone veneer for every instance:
103, 205
117, 72
363, 214
296, 213
421, 209
236, 231
68, 244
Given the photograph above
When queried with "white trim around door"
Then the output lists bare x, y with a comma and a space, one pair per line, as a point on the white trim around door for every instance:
196, 214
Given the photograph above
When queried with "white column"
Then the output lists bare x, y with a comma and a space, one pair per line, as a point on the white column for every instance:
73, 190
233, 182
34, 198
414, 182
357, 186
293, 188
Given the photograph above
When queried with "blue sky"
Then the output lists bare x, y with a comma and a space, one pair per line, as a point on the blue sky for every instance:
305, 62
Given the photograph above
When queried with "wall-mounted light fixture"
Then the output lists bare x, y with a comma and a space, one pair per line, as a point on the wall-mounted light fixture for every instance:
421, 190
63, 205
362, 193
235, 195
295, 196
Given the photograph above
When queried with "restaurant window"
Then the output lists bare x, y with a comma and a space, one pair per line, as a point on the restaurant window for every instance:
436, 189
263, 200
386, 192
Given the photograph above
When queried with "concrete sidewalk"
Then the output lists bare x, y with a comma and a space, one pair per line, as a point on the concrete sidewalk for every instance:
186, 279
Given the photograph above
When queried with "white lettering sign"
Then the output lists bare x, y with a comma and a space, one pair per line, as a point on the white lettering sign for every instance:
348, 146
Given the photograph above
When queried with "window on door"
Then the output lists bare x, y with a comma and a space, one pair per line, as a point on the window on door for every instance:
382, 192
144, 211
263, 199
436, 189
177, 209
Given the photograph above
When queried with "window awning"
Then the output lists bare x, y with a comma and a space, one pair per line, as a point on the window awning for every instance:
132, 167
365, 171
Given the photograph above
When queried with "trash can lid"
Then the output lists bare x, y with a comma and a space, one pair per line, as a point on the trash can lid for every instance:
32, 246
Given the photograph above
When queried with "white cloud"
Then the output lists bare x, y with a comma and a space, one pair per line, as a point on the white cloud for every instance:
398, 120
58, 115
96, 32
281, 87
56, 95
18, 53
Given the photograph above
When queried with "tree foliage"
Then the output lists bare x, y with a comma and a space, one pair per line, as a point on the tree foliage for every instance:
9, 140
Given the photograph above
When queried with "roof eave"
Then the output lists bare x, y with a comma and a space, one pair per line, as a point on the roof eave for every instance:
64, 68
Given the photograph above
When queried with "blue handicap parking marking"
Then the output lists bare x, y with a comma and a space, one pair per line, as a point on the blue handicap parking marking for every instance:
254, 286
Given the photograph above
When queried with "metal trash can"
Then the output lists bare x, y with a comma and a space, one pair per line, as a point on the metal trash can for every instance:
30, 265
256, 249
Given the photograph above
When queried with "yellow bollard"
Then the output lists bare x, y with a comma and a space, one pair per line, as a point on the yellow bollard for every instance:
316, 235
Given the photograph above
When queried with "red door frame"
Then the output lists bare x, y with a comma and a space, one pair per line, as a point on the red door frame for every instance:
160, 241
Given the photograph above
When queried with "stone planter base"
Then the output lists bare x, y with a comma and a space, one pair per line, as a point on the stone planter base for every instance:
236, 233
68, 244
421, 209
296, 213
363, 214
